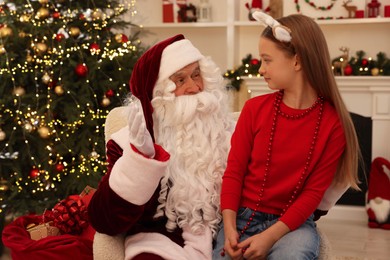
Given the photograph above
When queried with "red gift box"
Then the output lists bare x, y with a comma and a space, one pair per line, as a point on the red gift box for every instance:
170, 10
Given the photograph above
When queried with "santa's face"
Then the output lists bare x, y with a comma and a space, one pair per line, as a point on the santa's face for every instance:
188, 80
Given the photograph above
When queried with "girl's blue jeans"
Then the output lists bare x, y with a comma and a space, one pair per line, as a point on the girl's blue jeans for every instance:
300, 244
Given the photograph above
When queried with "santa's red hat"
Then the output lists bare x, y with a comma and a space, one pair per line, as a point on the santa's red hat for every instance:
157, 64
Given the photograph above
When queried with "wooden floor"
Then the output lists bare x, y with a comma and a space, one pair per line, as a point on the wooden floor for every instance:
349, 239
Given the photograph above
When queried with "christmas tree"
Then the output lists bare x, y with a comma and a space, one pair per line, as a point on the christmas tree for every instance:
63, 65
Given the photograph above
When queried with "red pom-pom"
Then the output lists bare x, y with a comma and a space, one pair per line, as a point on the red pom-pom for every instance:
81, 70
59, 167
364, 62
56, 15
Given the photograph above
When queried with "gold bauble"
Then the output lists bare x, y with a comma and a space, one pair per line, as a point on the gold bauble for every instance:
2, 135
74, 31
28, 127
46, 78
29, 58
44, 132
24, 18
41, 47
97, 14
3, 185
106, 102
118, 37
5, 31
19, 91
375, 72
22, 34
42, 2
43, 13
2, 49
59, 90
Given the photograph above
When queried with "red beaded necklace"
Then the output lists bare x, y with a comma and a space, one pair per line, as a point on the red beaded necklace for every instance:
277, 112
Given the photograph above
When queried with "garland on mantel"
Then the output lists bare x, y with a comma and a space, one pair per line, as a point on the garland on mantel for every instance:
356, 66
312, 4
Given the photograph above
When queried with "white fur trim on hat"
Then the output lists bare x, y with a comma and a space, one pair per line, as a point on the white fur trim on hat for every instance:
176, 56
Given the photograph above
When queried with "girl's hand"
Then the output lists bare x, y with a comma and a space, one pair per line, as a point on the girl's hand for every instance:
231, 245
257, 246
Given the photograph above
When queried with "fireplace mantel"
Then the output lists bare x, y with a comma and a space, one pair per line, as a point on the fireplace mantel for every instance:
364, 95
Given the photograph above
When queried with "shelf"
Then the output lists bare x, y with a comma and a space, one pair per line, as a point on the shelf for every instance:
186, 25
327, 22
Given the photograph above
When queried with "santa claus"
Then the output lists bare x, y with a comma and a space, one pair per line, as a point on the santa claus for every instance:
164, 169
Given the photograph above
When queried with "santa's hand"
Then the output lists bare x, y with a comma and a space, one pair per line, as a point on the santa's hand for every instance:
138, 133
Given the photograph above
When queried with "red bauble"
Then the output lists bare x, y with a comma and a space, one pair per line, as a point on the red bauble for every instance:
110, 93
364, 62
59, 167
124, 38
348, 70
255, 61
94, 46
56, 15
81, 70
34, 173
60, 37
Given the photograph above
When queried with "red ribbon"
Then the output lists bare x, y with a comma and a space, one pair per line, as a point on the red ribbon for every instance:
70, 215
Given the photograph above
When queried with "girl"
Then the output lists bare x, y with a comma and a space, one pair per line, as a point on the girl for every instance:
293, 151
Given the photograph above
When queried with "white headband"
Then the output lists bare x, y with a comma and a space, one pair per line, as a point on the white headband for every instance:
282, 33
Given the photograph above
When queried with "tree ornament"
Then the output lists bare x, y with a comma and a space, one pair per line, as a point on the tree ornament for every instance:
3, 186
40, 47
42, 13
19, 91
59, 90
348, 70
121, 38
94, 155
81, 70
3, 135
312, 4
97, 14
60, 37
24, 18
46, 78
29, 58
34, 173
2, 49
28, 127
5, 31
22, 34
59, 167
42, 2
255, 62
56, 15
110, 93
94, 48
106, 101
44, 132
74, 31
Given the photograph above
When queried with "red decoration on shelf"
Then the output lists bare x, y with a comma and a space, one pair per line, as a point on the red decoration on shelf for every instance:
364, 62
373, 8
255, 61
81, 70
348, 70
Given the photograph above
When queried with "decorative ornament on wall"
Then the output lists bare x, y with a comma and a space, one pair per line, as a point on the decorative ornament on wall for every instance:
313, 4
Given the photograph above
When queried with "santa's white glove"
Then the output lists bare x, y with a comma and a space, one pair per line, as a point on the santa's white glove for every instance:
198, 246
138, 133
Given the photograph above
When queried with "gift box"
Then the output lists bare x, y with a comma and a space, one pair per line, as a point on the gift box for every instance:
43, 230
171, 10
62, 233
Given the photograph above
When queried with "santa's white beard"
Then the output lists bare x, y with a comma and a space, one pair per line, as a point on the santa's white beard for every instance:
194, 129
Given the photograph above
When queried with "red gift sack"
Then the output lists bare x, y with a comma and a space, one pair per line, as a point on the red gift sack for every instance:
17, 239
